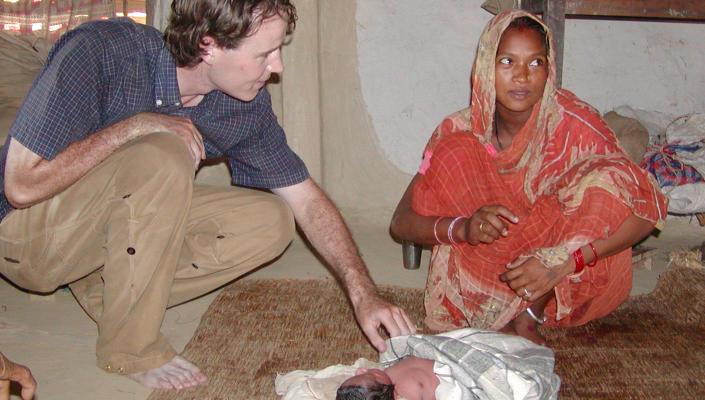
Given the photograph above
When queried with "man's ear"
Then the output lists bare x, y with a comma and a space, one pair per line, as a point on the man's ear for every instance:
361, 371
208, 47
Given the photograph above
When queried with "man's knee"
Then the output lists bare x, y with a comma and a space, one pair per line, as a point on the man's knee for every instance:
159, 154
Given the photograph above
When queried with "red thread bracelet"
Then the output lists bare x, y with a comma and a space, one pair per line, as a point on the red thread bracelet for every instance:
579, 261
594, 252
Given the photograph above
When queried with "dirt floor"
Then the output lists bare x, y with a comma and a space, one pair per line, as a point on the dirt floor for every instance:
53, 336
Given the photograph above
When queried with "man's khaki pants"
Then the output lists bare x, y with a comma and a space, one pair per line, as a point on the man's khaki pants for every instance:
134, 237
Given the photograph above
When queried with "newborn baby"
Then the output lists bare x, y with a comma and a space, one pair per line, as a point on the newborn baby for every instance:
463, 364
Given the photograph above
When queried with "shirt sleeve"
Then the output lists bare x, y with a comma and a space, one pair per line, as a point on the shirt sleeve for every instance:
264, 159
63, 105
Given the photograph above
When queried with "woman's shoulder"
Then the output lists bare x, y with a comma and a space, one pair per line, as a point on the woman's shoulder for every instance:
457, 122
454, 126
579, 114
575, 106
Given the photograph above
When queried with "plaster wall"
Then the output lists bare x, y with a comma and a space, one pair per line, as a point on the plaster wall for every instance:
391, 70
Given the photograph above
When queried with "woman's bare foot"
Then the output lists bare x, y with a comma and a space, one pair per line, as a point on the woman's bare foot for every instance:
176, 374
523, 325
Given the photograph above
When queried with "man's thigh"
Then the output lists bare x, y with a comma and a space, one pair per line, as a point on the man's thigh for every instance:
63, 238
56, 241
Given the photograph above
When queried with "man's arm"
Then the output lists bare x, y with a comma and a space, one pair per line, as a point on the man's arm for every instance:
324, 227
30, 179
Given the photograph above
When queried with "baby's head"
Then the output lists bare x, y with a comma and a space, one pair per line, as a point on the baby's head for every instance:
367, 384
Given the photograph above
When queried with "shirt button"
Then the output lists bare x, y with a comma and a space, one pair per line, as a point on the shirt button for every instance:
121, 370
108, 367
130, 250
177, 104
159, 103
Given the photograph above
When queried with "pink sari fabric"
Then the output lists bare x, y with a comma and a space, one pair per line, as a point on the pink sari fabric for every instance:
565, 177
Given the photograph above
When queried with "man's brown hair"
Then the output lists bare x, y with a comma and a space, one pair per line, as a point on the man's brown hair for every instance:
226, 21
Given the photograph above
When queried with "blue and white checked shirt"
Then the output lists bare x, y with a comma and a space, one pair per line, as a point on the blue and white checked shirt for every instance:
105, 71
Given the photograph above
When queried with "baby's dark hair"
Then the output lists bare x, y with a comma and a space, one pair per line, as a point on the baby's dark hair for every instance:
376, 391
530, 23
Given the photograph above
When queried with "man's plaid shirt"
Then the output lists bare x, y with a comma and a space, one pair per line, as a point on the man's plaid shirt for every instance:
105, 71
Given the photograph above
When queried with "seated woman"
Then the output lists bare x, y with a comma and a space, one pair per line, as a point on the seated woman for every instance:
529, 201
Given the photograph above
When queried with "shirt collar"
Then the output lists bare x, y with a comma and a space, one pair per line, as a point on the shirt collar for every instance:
166, 86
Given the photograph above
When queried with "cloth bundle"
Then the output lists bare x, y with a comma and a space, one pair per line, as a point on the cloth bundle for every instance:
665, 164
679, 164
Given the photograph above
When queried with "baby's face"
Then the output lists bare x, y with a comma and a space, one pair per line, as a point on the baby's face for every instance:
413, 379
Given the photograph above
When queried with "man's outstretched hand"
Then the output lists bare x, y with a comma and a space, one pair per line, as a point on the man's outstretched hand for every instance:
373, 312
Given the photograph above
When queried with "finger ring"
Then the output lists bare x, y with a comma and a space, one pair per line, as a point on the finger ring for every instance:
481, 225
527, 293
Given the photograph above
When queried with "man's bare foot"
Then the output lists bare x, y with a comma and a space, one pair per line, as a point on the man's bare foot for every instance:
176, 374
523, 325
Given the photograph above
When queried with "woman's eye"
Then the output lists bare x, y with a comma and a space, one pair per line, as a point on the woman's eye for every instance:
536, 63
505, 60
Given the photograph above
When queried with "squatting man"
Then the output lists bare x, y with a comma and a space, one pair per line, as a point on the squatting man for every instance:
98, 179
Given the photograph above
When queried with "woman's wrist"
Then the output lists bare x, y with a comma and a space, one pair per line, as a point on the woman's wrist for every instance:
450, 230
463, 231
568, 268
583, 257
457, 224
436, 229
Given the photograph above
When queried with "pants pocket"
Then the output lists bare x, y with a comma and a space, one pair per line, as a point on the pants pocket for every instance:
27, 263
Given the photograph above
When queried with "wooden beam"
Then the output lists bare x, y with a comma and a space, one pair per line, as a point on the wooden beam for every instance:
532, 6
553, 15
668, 9
150, 9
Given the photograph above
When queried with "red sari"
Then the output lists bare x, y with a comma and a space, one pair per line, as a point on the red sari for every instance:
565, 176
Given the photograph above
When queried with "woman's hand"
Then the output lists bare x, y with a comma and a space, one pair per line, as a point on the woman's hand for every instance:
12, 372
530, 279
488, 224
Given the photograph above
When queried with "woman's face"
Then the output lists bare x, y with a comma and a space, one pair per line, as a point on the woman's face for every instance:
521, 70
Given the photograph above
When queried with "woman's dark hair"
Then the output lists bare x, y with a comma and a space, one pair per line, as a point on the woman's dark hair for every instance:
530, 23
226, 21
376, 391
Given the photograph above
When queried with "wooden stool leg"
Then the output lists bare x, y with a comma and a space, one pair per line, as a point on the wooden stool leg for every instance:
411, 253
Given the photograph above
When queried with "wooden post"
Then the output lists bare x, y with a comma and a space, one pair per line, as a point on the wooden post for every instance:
554, 17
553, 14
